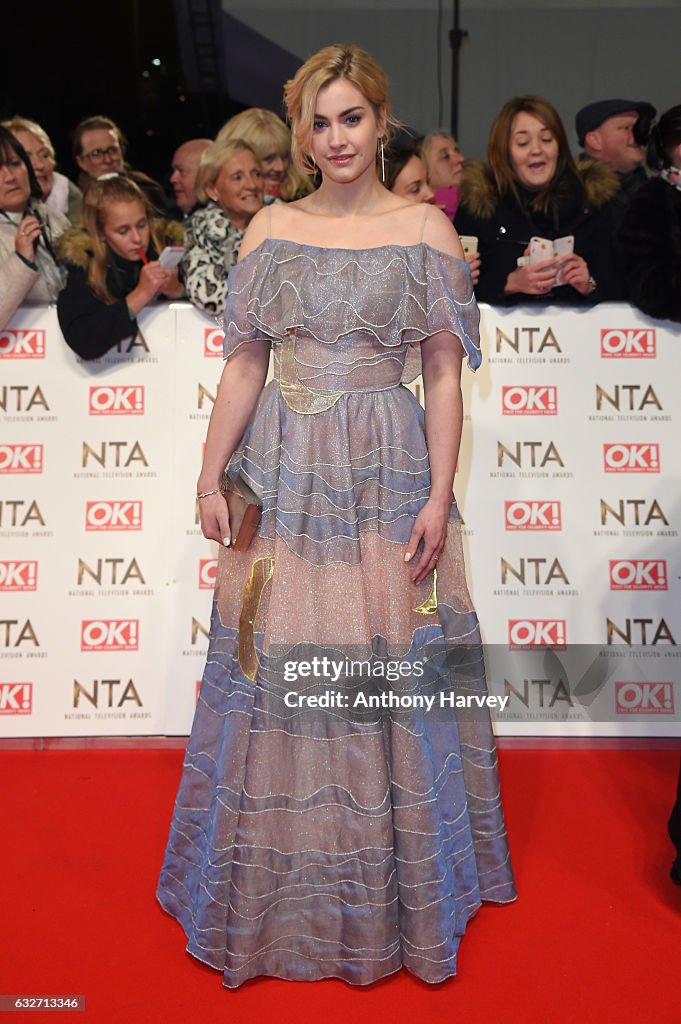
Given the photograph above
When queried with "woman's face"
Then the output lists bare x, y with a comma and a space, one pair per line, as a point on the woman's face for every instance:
41, 160
239, 188
274, 165
15, 187
533, 150
445, 162
101, 152
125, 228
345, 133
412, 182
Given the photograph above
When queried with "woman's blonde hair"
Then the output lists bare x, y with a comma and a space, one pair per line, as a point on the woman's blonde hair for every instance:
428, 141
97, 197
22, 124
212, 159
327, 65
266, 133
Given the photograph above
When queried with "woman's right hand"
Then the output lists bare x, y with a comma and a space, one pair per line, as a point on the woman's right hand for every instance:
27, 235
533, 279
153, 279
214, 518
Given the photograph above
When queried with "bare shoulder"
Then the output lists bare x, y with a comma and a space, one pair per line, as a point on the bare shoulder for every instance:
440, 233
256, 232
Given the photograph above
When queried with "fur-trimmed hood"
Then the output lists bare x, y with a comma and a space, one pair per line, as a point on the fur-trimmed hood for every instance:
74, 245
478, 191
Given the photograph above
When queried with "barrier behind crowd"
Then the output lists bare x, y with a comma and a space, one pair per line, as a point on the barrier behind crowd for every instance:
568, 483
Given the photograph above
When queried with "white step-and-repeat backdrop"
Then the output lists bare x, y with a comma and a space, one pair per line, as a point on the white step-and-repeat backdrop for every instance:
569, 484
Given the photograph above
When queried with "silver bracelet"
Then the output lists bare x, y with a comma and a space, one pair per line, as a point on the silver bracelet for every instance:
206, 494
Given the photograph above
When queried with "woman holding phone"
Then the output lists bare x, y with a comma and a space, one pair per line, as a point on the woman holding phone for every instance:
29, 267
113, 266
529, 188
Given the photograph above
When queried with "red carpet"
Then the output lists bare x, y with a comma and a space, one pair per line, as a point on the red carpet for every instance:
594, 937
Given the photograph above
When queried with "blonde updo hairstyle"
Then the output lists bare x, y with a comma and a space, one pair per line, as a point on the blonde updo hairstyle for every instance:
329, 64
97, 197
265, 133
212, 159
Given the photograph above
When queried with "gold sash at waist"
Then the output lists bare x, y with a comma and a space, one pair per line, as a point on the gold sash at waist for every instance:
298, 396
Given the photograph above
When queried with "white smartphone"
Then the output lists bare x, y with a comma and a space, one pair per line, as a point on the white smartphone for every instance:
171, 256
469, 243
563, 247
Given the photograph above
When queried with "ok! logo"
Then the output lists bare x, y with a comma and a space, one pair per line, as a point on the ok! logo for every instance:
21, 458
113, 515
109, 635
631, 458
22, 344
213, 339
532, 515
116, 400
529, 400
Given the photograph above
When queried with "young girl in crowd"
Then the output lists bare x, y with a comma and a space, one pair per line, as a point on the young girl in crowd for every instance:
113, 268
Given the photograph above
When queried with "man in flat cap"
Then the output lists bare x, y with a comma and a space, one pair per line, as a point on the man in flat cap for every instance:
616, 132
607, 131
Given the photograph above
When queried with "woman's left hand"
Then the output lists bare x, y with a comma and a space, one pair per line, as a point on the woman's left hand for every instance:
575, 272
27, 236
473, 261
431, 525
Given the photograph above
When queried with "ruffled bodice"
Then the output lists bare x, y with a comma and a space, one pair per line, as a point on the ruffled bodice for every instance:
342, 323
387, 296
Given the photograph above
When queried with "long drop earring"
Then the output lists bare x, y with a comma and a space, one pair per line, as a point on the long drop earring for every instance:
382, 161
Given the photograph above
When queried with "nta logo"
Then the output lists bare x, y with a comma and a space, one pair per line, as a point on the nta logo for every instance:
629, 343
532, 515
529, 400
117, 400
113, 515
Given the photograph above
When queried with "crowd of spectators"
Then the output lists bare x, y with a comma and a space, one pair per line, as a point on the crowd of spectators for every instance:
538, 225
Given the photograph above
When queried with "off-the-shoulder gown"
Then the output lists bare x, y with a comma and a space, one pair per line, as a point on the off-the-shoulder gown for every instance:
308, 844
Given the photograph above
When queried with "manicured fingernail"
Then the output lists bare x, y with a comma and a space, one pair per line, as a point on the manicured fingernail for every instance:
407, 557
226, 541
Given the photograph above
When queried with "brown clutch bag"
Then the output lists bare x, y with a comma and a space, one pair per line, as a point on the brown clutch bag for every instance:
244, 510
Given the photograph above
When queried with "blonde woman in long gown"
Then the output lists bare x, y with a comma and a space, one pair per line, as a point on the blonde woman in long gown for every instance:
308, 844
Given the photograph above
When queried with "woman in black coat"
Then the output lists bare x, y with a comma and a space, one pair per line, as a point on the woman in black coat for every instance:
650, 233
530, 186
